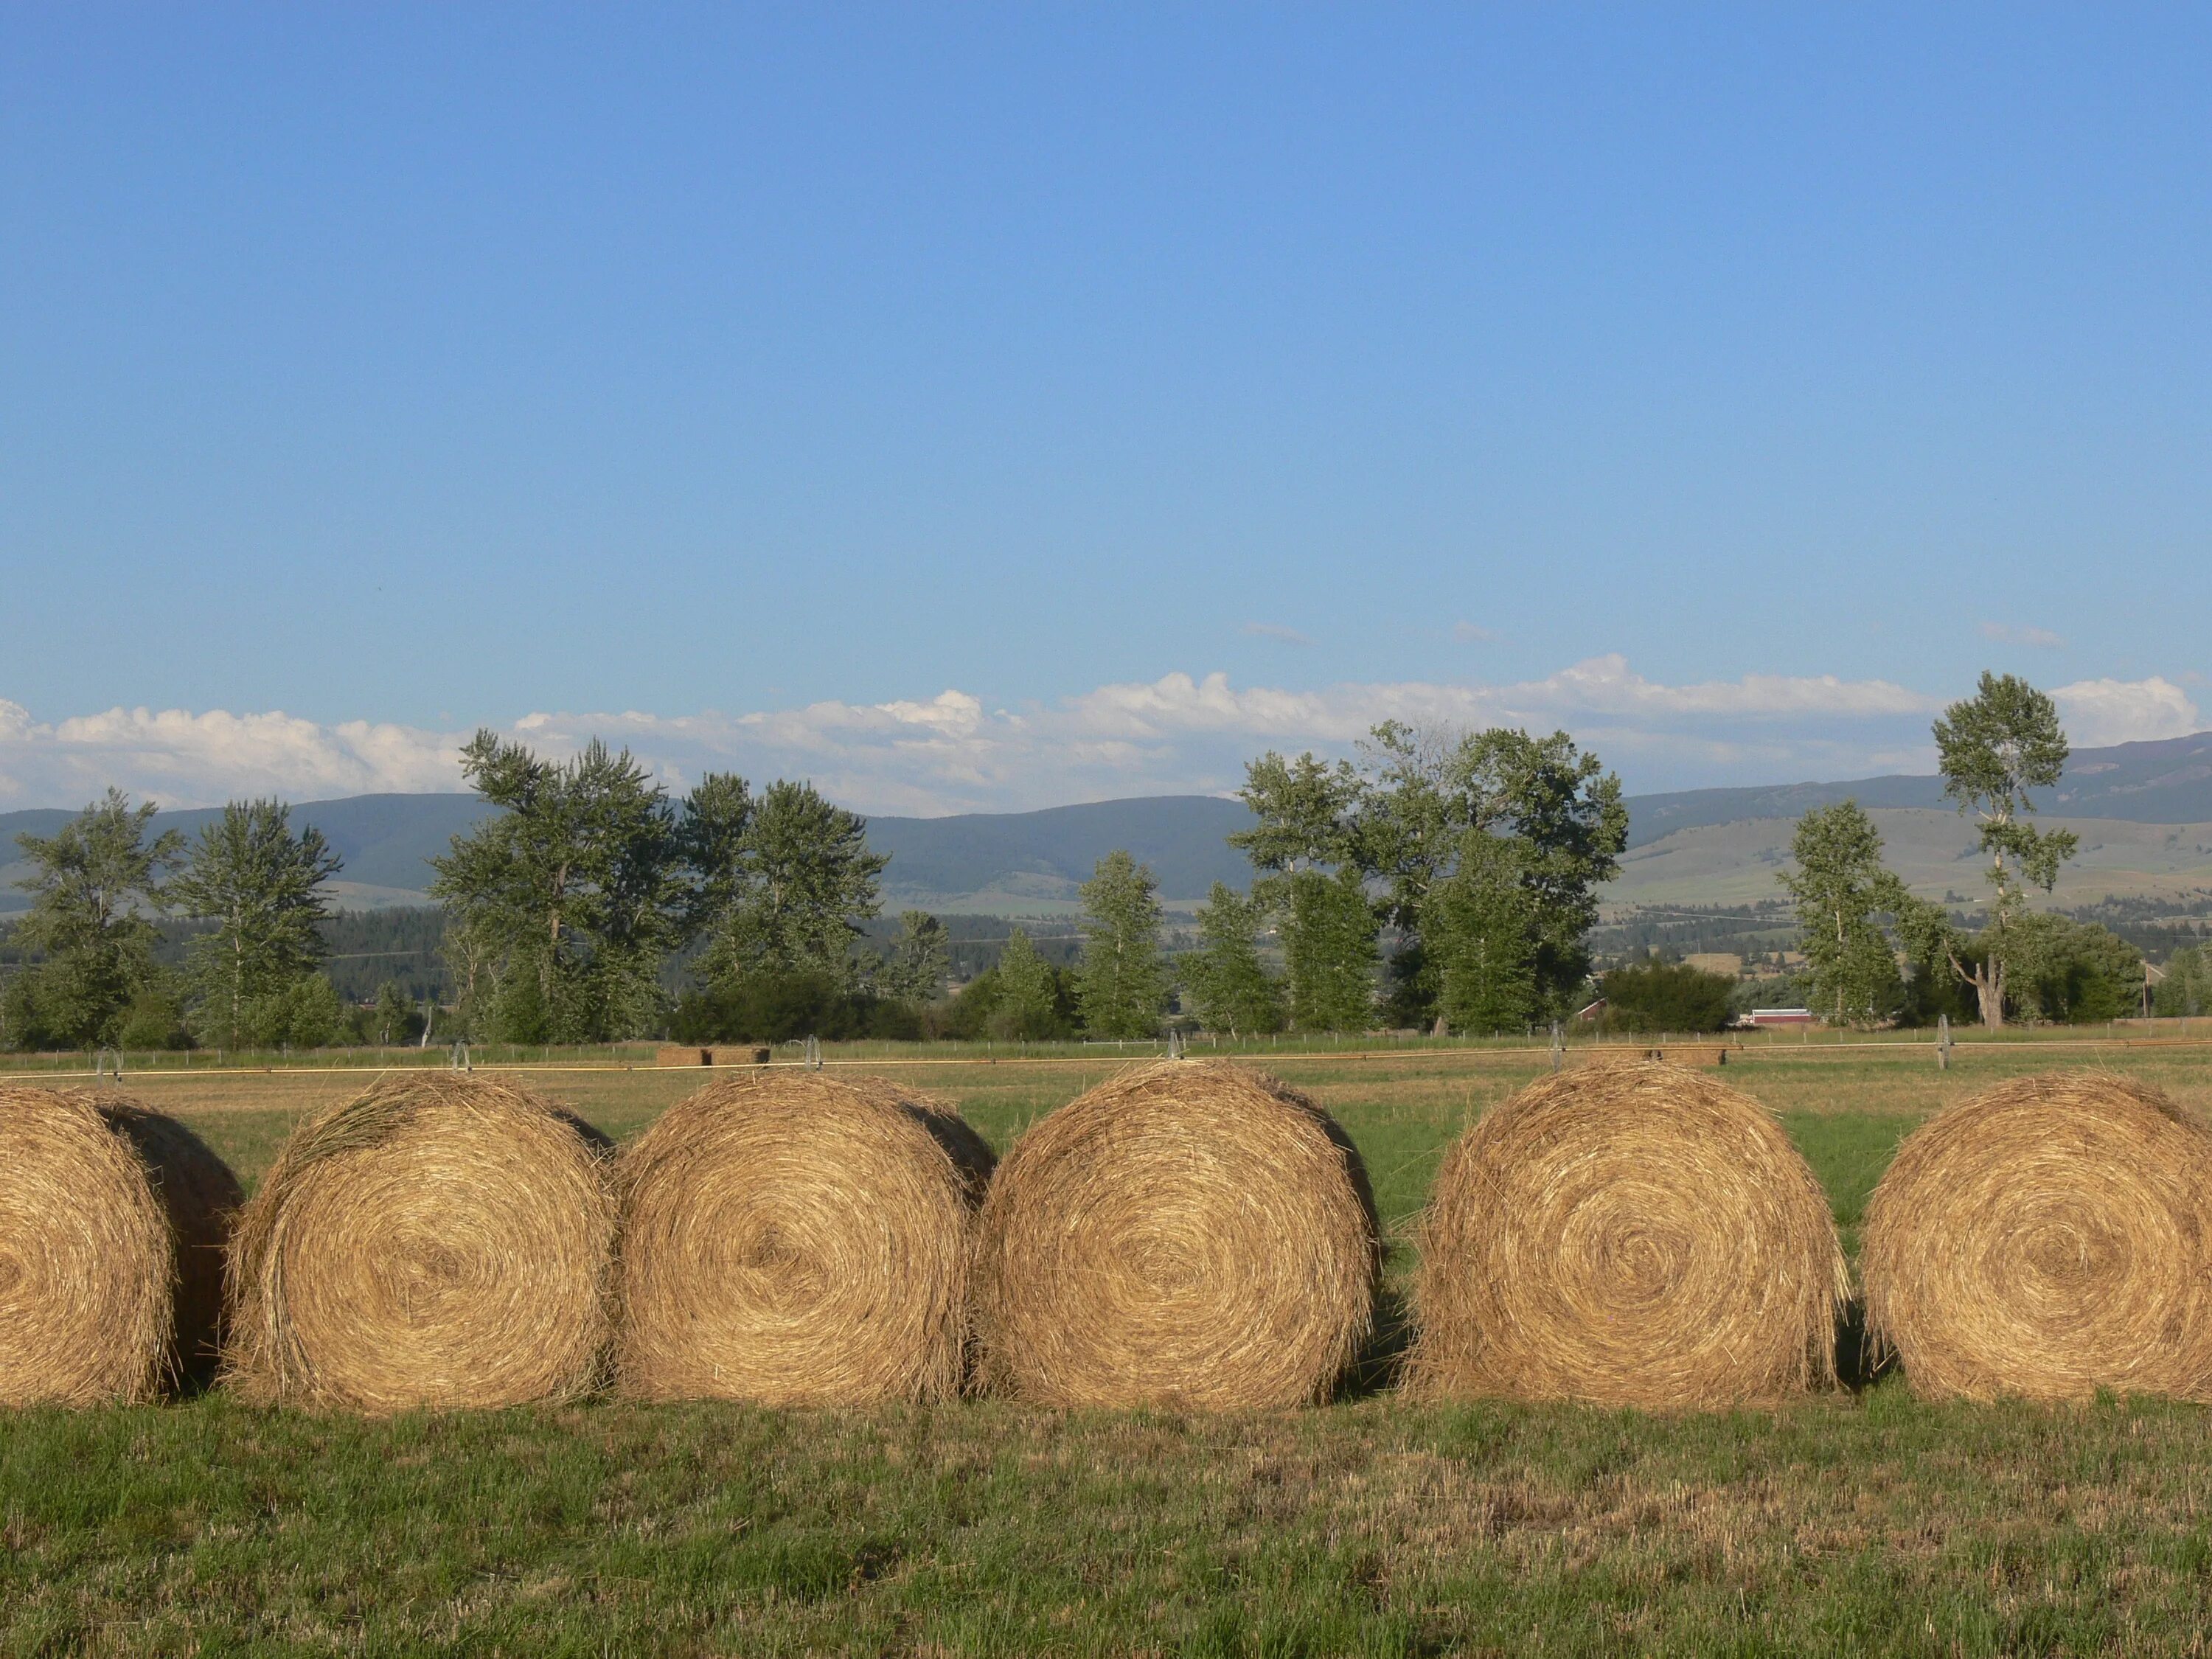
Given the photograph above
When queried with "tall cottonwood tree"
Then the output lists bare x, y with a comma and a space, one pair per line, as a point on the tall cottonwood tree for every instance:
1231, 986
1329, 949
1121, 981
569, 899
1479, 933
918, 958
1306, 830
1024, 1008
265, 889
96, 886
1992, 749
1420, 793
783, 880
1840, 884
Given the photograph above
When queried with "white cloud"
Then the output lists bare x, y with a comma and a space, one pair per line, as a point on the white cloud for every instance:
181, 759
952, 753
1466, 633
2005, 634
2099, 712
1276, 632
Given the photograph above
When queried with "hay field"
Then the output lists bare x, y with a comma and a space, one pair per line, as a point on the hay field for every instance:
1869, 1522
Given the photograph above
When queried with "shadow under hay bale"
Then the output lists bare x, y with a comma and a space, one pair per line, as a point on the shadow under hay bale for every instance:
2047, 1238
1189, 1234
789, 1237
112, 1218
1627, 1235
439, 1241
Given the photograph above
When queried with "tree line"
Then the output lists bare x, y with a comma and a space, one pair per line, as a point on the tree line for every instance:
1445, 881
1476, 857
251, 978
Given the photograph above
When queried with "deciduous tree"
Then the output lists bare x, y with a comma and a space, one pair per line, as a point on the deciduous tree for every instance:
570, 895
785, 884
1307, 826
1024, 1008
1839, 883
1231, 986
1422, 791
1993, 749
1120, 982
1328, 945
96, 886
265, 889
918, 960
1477, 931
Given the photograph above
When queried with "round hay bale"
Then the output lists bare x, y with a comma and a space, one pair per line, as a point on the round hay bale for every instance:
440, 1240
1189, 1234
2047, 1238
1627, 1235
112, 1218
792, 1238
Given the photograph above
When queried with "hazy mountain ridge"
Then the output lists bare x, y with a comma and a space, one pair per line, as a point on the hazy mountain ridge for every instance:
998, 861
2166, 781
1695, 846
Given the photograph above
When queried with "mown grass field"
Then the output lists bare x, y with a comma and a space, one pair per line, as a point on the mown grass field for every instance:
1866, 1522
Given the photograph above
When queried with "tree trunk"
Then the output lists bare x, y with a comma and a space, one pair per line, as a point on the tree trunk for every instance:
1989, 993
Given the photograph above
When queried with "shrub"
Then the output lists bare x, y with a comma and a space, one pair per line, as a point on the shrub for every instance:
1666, 996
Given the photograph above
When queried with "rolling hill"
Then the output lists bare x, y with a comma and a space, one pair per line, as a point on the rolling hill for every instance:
998, 863
2143, 812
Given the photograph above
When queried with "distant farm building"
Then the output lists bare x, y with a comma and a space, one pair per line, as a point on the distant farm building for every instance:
1762, 1018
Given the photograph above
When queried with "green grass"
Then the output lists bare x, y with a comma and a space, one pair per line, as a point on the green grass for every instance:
1866, 1523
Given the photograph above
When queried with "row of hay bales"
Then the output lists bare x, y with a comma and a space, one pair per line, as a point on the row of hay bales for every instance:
1190, 1235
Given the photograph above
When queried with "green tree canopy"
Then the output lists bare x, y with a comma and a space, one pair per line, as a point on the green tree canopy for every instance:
567, 902
1422, 791
1477, 930
1329, 948
2066, 971
782, 881
1307, 825
1839, 883
95, 886
1992, 750
2186, 989
919, 958
1023, 1006
264, 888
1121, 981
1232, 987
1304, 809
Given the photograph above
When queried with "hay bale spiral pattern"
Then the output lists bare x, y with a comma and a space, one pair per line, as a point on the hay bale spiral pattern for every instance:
2049, 1238
1628, 1235
1188, 1234
439, 1241
791, 1238
112, 1218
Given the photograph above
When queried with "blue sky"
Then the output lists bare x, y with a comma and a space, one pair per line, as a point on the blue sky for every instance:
746, 383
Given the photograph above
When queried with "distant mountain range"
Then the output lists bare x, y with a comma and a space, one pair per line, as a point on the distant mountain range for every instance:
998, 863
2144, 811
2169, 782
